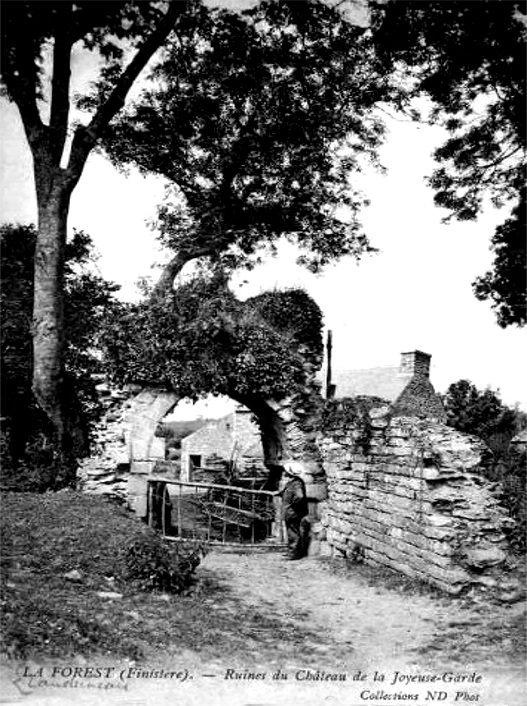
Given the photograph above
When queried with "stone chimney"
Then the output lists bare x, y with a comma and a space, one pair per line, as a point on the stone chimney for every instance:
415, 363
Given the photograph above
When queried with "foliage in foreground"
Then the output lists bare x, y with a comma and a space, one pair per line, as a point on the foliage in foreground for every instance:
49, 611
483, 414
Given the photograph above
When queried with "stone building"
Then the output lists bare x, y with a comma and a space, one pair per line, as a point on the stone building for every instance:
407, 387
231, 441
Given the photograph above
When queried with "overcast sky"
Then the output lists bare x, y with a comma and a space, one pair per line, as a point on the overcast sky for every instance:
415, 294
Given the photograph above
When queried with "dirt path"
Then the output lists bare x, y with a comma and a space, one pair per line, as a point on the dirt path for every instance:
348, 620
258, 630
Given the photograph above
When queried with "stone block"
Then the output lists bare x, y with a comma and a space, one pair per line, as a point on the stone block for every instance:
326, 549
441, 474
137, 495
482, 558
439, 520
144, 468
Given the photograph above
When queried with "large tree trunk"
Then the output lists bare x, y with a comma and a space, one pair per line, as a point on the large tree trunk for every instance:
55, 181
48, 312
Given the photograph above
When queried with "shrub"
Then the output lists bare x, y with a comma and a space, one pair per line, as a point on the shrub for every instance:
155, 566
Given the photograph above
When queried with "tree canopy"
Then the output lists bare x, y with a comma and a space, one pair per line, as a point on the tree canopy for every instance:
469, 59
298, 62
481, 412
259, 120
506, 284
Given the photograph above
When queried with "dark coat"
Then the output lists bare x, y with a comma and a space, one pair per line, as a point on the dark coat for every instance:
294, 500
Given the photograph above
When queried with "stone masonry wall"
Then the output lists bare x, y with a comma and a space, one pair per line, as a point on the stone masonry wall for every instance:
408, 494
125, 447
300, 428
106, 470
420, 399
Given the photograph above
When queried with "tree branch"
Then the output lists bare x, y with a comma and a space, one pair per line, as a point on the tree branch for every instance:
60, 101
502, 157
23, 91
175, 265
86, 137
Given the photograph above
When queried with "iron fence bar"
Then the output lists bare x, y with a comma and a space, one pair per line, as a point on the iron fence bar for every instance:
224, 519
195, 523
209, 528
149, 513
239, 525
179, 522
253, 524
163, 511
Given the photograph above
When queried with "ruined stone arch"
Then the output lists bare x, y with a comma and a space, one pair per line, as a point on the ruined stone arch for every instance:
126, 447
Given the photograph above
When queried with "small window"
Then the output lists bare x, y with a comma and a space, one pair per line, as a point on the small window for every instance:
195, 461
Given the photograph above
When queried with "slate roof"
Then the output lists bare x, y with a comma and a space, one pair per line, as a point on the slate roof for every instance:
386, 383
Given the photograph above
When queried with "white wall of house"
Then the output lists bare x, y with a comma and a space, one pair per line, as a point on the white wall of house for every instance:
226, 438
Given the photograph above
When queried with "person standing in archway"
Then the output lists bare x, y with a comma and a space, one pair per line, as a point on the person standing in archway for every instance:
294, 510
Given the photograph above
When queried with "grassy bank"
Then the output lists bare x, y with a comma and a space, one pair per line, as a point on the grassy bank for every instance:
50, 612
67, 584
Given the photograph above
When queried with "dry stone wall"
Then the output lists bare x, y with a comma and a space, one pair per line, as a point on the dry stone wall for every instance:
125, 447
106, 470
408, 494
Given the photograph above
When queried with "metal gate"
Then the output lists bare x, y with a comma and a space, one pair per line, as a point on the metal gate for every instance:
225, 515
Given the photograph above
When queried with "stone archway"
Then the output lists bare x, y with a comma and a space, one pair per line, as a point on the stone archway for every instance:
148, 408
286, 435
126, 447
